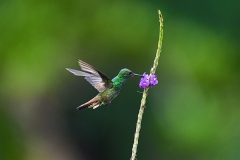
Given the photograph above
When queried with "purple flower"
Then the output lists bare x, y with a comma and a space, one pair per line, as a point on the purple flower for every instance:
144, 82
153, 80
148, 81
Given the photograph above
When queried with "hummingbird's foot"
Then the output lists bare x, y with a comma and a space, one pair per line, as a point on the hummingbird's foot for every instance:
96, 105
144, 106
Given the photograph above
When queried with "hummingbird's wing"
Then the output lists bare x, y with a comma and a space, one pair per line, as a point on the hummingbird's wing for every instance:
78, 73
97, 79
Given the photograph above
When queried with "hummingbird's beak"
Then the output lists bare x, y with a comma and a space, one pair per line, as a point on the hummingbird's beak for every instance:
137, 75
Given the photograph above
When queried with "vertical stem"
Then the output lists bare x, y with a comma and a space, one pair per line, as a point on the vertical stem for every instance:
145, 92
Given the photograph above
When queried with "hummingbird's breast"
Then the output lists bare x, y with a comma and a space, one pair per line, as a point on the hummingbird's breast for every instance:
108, 95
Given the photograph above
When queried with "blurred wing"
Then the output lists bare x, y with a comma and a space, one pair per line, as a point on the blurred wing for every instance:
97, 79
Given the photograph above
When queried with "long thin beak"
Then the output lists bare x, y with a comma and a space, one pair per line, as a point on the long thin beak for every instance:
137, 75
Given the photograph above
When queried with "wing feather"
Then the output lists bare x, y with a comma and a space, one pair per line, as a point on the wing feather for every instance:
88, 67
78, 73
96, 78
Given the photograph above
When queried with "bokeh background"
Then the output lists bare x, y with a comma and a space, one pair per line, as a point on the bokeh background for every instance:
192, 114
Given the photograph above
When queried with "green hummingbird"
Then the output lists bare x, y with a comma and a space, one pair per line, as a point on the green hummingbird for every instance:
108, 89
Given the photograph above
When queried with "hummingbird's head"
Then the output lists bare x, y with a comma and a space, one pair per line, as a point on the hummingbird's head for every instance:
126, 73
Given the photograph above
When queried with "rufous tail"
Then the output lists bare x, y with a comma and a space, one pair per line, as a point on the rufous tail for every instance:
92, 103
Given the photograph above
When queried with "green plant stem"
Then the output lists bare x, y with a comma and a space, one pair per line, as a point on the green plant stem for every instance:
145, 92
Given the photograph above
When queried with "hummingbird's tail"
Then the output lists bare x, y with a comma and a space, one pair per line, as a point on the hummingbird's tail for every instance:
93, 103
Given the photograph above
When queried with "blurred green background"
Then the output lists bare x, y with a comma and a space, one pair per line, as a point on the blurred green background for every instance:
192, 114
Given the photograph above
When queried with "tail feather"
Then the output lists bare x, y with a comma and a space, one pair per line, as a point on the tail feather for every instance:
92, 103
82, 107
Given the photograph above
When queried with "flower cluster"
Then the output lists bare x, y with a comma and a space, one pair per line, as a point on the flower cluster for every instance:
148, 81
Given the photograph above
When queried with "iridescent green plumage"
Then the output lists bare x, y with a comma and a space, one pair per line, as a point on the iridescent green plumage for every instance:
108, 89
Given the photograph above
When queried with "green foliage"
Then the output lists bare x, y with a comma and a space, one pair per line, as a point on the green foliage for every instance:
11, 138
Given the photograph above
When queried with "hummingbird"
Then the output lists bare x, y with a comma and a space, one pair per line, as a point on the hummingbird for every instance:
108, 89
